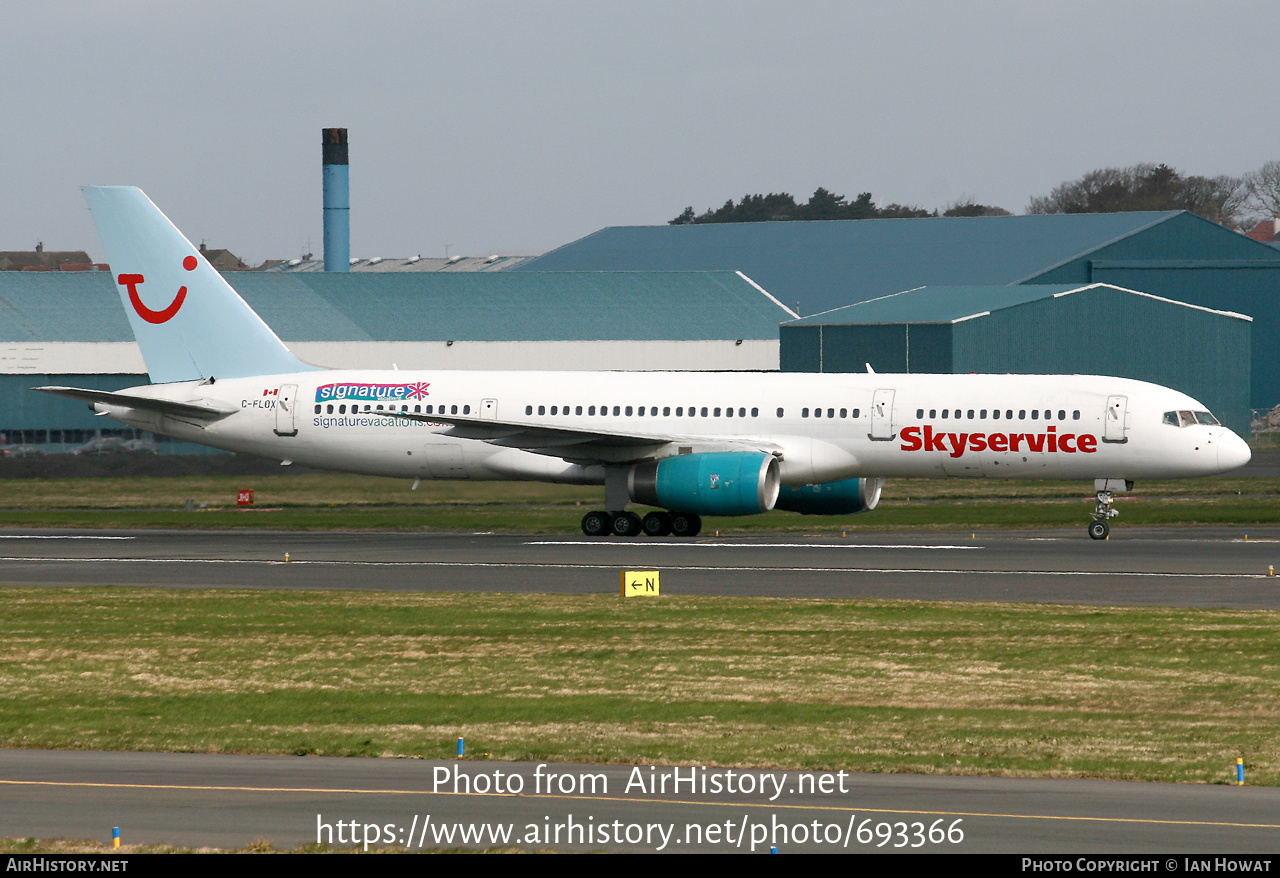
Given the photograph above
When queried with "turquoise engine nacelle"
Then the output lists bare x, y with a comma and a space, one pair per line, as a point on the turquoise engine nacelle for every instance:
717, 483
832, 498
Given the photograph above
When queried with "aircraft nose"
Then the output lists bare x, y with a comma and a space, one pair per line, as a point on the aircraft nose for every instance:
1233, 451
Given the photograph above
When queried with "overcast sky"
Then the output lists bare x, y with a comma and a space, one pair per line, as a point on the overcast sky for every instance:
514, 127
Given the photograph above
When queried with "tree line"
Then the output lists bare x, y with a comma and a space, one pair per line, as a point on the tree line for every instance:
1237, 202
822, 205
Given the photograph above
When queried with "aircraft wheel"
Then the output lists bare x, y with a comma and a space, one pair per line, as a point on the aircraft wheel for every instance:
626, 524
685, 524
656, 524
597, 524
1098, 530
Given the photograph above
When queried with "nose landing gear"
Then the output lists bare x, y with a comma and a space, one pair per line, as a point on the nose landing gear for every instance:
1103, 510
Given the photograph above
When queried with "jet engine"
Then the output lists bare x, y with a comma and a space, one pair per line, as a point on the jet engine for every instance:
832, 498
715, 483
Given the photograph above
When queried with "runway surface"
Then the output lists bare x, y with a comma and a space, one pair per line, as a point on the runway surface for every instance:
229, 801
1202, 567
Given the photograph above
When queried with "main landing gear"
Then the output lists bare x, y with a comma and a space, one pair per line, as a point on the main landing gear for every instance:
617, 494
628, 524
1103, 510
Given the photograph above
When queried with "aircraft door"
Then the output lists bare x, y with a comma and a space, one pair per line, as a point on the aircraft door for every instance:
882, 415
489, 408
1116, 423
286, 414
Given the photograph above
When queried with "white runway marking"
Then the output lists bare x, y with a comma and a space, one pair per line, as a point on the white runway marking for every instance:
688, 544
58, 537
666, 567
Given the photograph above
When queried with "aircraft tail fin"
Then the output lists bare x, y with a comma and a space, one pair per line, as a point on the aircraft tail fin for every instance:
189, 322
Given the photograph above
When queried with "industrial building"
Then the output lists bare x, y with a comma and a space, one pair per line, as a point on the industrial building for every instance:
1035, 329
820, 266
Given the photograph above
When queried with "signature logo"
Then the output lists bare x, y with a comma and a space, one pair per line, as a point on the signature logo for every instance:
956, 444
372, 392
133, 281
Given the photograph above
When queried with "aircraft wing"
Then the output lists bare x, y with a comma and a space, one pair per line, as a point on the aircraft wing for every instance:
189, 410
571, 443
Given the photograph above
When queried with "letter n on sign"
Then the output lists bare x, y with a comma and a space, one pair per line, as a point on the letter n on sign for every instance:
639, 583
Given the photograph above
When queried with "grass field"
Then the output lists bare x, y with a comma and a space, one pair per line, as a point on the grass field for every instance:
1140, 693
334, 501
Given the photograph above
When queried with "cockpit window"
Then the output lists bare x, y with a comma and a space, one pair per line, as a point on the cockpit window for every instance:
1188, 419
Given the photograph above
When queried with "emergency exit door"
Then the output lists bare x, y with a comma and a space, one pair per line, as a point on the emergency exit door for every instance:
286, 414
882, 415
1116, 423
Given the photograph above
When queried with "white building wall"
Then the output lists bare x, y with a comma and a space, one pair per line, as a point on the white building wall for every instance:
74, 358
71, 358
574, 356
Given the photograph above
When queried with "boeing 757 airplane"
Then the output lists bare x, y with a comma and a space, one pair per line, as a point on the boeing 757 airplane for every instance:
688, 443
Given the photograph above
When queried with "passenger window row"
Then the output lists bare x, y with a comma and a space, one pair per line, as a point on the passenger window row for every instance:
741, 412
643, 411
831, 413
682, 412
690, 411
997, 414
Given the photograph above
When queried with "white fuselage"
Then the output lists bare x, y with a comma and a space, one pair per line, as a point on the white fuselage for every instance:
822, 427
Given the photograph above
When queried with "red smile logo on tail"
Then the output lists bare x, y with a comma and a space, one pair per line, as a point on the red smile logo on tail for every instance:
133, 280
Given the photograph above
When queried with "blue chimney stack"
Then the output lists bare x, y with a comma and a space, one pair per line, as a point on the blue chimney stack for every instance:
337, 201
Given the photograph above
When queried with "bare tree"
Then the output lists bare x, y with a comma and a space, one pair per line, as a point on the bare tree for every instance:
1147, 187
1222, 199
1263, 189
1106, 190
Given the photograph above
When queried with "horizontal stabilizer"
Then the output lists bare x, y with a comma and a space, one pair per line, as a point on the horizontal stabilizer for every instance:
188, 410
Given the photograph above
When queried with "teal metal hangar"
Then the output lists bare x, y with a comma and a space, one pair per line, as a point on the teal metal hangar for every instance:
820, 266
1036, 329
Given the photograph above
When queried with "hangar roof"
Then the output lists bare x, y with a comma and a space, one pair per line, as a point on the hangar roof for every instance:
956, 304
825, 265
430, 306
414, 263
